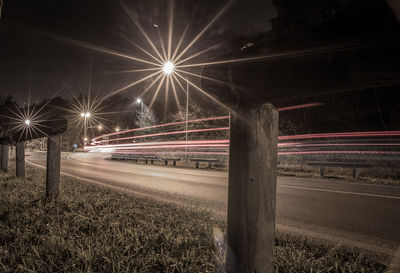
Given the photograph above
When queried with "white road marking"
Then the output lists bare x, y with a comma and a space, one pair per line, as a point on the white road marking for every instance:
342, 192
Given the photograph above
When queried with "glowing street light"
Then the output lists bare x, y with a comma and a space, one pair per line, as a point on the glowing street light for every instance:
100, 127
168, 67
85, 115
117, 129
139, 100
85, 139
27, 122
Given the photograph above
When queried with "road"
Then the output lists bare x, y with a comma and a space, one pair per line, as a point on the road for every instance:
361, 215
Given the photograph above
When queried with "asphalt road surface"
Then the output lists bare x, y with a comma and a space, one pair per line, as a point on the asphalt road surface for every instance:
361, 215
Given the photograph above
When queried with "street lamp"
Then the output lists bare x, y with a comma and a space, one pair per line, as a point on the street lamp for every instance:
187, 115
168, 67
27, 122
117, 129
139, 100
85, 115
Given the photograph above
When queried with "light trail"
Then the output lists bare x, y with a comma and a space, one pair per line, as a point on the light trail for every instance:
301, 106
336, 144
202, 153
168, 133
129, 147
340, 152
177, 142
337, 135
221, 146
164, 125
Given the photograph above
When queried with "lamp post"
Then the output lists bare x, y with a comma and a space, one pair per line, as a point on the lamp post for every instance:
168, 69
139, 100
86, 116
187, 117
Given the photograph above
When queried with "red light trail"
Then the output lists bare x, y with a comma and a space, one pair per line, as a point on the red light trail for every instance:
301, 106
221, 146
162, 125
336, 135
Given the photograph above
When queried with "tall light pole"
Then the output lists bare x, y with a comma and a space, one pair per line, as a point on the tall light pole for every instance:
139, 100
187, 117
168, 68
86, 116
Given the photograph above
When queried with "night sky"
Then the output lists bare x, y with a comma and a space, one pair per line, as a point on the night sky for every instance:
33, 57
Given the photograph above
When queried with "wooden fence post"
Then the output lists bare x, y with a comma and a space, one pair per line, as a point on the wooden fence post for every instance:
20, 159
53, 166
4, 157
252, 190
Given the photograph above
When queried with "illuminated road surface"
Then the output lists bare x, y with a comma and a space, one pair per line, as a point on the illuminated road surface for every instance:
366, 216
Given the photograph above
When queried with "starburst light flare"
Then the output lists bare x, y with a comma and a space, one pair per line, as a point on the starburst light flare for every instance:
164, 63
168, 67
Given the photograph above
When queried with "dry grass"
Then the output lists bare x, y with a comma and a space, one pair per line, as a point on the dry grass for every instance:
92, 229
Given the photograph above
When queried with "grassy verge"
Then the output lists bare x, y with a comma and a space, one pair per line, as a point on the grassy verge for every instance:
370, 176
93, 229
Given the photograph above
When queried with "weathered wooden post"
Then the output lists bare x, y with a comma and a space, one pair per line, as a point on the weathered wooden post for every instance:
53, 166
4, 157
252, 189
51, 128
20, 159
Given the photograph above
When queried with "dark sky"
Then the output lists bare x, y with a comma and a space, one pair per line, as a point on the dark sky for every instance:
33, 57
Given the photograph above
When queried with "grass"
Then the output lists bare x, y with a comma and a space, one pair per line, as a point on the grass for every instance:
93, 229
377, 175
297, 254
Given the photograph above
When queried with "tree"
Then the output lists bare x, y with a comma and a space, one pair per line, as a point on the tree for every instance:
8, 111
145, 117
